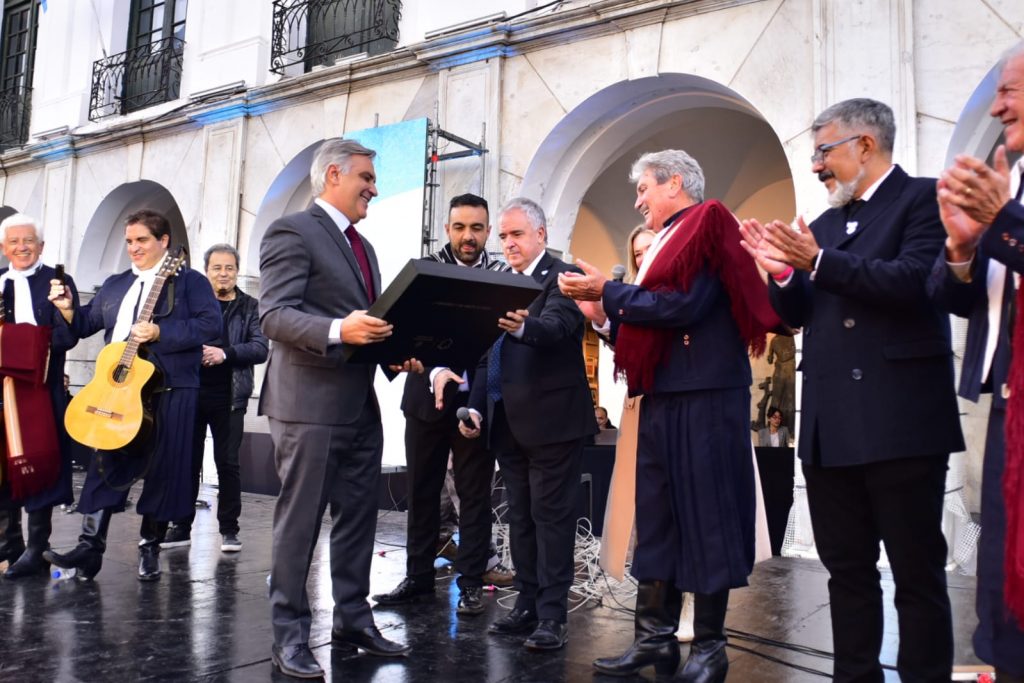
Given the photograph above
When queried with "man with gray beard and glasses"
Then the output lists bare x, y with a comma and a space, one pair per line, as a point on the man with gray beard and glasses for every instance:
879, 414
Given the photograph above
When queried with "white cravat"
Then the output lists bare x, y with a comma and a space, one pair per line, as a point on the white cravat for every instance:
996, 284
23, 310
135, 295
652, 251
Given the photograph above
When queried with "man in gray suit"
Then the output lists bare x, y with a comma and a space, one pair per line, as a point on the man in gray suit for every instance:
318, 278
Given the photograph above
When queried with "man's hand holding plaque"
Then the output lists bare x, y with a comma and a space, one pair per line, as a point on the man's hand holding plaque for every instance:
513, 320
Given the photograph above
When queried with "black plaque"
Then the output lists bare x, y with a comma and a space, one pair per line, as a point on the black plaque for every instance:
444, 315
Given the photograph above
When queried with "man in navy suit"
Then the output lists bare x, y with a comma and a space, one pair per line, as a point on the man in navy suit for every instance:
682, 332
25, 287
976, 278
532, 388
879, 414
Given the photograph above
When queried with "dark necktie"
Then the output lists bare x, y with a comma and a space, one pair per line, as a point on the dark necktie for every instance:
361, 258
494, 370
8, 303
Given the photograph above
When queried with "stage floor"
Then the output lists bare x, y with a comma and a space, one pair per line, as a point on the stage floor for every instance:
207, 619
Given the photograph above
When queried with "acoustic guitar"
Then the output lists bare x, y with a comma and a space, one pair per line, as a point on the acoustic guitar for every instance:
113, 410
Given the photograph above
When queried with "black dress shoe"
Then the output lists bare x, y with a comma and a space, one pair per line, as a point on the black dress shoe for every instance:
405, 592
549, 635
369, 640
296, 661
470, 601
31, 563
516, 621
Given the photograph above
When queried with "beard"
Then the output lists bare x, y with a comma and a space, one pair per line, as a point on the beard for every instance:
843, 193
468, 259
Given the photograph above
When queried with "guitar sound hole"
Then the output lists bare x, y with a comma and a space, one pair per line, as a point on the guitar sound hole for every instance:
120, 374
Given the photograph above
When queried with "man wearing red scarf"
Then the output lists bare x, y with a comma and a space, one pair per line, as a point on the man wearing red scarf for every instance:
975, 278
682, 335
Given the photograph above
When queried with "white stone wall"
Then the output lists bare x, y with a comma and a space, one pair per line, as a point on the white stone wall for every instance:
508, 84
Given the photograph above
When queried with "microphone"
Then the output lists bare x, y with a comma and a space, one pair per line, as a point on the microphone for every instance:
464, 418
618, 272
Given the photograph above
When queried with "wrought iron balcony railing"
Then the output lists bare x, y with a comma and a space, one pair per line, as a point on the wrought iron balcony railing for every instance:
137, 78
309, 33
15, 116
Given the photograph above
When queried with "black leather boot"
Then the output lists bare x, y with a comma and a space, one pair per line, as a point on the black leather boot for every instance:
658, 604
707, 662
152, 532
31, 562
12, 543
87, 557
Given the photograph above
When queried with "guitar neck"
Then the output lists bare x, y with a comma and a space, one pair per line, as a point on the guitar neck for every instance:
145, 316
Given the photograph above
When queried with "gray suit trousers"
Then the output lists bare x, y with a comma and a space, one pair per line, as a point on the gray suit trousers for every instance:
321, 464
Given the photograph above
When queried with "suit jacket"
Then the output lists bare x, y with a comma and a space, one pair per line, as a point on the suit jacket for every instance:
186, 322
543, 377
46, 313
1003, 242
310, 277
708, 352
877, 364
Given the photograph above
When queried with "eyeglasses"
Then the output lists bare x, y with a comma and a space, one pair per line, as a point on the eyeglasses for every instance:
821, 151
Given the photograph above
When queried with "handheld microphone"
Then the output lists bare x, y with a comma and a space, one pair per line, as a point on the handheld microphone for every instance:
464, 418
618, 272
59, 274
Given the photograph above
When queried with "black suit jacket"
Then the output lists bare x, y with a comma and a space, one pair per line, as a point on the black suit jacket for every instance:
877, 364
1003, 242
543, 378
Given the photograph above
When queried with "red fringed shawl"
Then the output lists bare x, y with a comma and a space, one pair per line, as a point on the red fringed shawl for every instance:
32, 451
1013, 473
706, 239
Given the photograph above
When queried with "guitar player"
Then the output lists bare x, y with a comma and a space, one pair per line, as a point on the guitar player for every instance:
186, 314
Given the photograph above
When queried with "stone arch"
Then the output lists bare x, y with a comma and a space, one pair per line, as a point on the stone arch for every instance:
290, 192
103, 252
586, 156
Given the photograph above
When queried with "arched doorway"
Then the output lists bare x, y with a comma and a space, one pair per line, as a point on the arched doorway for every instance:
579, 174
290, 192
103, 251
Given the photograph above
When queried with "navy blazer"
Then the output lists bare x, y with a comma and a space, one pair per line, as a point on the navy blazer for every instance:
877, 364
185, 325
708, 351
544, 385
1003, 242
46, 313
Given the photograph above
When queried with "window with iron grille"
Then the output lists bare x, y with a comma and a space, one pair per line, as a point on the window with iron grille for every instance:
309, 33
149, 71
18, 47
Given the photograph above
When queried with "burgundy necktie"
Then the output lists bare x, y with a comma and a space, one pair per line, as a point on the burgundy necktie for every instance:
364, 262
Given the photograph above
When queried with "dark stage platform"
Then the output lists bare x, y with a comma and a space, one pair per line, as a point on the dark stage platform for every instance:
207, 619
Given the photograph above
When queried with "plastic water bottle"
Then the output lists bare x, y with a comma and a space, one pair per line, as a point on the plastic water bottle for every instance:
61, 574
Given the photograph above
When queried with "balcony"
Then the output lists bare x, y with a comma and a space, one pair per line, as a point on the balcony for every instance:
15, 115
309, 33
135, 79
